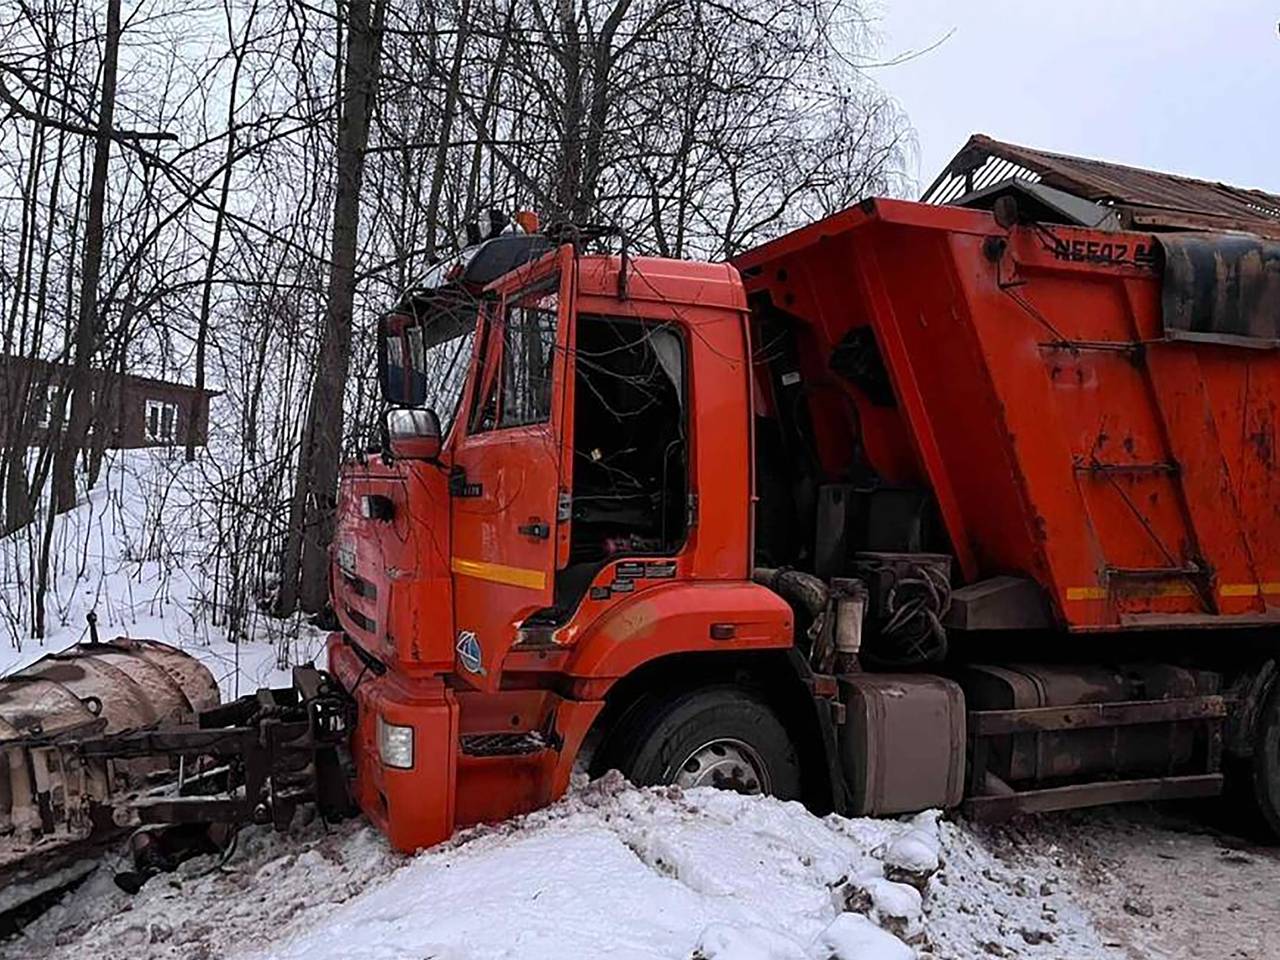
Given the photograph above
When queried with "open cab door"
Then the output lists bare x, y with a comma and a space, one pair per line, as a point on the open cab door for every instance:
512, 465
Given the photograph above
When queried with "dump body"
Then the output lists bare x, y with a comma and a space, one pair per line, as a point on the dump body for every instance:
1084, 415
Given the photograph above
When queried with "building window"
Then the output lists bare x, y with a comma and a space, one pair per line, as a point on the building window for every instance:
162, 421
44, 402
43, 410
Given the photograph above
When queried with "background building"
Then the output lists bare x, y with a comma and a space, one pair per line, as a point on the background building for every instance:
138, 411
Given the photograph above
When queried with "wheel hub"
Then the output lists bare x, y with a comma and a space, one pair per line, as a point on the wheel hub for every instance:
725, 764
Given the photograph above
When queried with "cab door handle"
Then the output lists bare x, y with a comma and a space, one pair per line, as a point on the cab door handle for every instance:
535, 528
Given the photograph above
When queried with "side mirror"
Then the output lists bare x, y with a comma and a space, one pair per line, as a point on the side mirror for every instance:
413, 434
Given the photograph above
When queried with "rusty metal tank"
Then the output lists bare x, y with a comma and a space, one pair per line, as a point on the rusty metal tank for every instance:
1153, 749
46, 789
132, 684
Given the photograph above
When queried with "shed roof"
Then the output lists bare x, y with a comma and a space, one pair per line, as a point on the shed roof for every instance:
1146, 199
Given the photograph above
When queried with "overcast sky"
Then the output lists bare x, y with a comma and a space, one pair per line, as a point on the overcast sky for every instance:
1188, 86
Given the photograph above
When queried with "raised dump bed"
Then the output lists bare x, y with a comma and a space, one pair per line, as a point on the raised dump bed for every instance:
1095, 411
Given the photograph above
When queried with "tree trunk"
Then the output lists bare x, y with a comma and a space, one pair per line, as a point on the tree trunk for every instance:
602, 91
64, 479
305, 571
568, 182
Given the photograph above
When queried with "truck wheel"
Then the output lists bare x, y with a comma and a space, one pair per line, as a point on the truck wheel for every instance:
1266, 763
713, 737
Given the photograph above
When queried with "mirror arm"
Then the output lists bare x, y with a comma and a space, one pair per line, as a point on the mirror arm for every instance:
384, 438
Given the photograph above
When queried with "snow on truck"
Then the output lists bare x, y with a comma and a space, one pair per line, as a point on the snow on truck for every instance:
964, 502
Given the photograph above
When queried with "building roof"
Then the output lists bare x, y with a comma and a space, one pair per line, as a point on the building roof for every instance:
62, 368
1146, 199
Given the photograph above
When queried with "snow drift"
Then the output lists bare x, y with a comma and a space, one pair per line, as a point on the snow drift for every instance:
611, 870
138, 551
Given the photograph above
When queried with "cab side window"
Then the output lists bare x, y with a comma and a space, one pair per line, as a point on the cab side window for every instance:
528, 347
520, 393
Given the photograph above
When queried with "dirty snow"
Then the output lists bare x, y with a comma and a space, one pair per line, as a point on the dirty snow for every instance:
135, 551
1163, 882
610, 870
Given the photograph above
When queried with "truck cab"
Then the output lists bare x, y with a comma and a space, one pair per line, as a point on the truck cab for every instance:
563, 500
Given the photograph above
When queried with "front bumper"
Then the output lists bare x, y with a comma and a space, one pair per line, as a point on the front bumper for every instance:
414, 807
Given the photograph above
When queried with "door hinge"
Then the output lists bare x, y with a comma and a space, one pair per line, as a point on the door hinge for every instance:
691, 511
564, 507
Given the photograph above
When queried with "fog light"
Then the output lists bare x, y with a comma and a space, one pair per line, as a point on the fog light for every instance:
395, 745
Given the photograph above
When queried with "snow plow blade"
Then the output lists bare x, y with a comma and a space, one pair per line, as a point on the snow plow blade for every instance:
129, 738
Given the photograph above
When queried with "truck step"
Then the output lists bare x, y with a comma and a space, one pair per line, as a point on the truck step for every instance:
503, 744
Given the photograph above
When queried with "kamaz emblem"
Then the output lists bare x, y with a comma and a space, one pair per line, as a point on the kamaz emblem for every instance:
469, 654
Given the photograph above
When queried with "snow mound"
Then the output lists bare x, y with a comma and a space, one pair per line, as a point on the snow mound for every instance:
611, 870
722, 941
852, 936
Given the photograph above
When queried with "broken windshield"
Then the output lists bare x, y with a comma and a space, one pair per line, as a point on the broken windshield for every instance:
443, 368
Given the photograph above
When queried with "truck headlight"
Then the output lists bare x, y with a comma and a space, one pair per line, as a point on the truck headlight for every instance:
395, 745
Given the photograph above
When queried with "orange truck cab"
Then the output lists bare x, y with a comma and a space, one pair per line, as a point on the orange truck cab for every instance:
578, 525
913, 505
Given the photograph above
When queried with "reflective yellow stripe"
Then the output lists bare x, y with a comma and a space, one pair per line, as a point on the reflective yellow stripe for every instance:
1239, 590
1249, 589
1157, 590
1269, 589
1086, 593
497, 573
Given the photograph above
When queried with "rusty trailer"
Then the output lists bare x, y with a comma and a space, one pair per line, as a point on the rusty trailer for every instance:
104, 742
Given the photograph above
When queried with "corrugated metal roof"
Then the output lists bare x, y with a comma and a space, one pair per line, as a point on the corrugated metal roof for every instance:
1147, 199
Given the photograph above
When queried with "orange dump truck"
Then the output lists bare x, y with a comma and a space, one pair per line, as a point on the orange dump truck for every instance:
917, 506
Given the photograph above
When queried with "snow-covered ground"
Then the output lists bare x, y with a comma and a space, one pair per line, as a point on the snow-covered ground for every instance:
1164, 883
609, 871
136, 552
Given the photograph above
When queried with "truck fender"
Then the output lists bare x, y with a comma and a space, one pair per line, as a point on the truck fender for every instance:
679, 617
669, 628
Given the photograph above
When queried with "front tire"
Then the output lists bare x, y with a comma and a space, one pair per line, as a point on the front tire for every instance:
715, 736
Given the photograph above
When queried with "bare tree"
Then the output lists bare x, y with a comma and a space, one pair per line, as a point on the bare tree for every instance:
238, 221
314, 501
